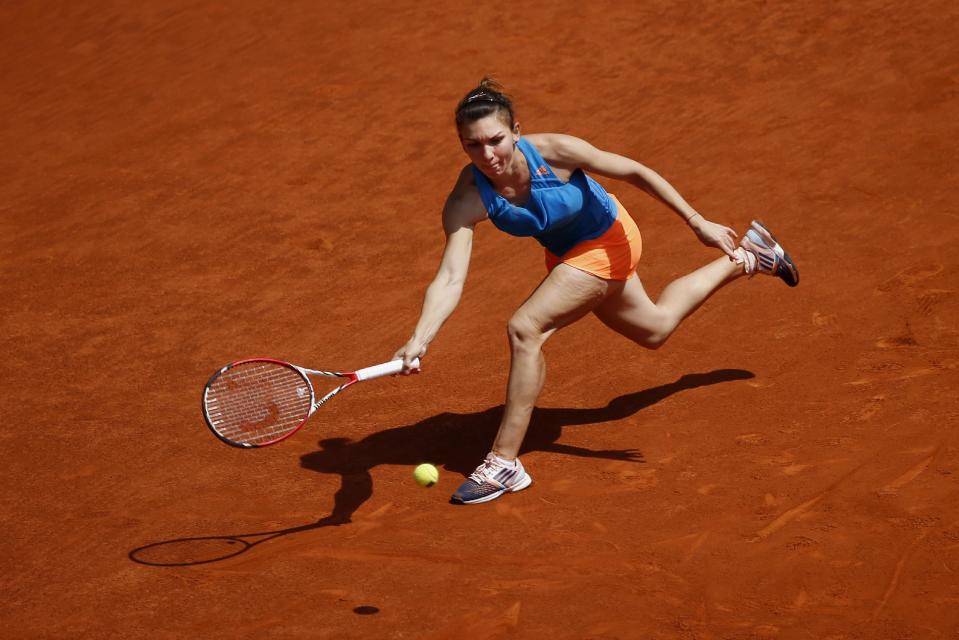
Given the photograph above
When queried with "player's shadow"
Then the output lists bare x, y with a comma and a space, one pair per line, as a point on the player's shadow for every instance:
455, 441
459, 441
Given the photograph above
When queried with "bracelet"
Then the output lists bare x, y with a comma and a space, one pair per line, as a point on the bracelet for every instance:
692, 216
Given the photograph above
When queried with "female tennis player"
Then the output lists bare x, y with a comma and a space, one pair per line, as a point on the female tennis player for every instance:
537, 185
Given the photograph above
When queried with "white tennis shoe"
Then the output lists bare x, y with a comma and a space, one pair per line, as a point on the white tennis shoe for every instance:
494, 477
761, 253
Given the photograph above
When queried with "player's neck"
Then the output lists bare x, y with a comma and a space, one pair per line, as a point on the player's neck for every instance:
516, 176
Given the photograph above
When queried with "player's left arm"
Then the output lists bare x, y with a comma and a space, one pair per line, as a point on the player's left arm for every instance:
570, 152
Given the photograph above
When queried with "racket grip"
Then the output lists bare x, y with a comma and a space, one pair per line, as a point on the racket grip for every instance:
385, 369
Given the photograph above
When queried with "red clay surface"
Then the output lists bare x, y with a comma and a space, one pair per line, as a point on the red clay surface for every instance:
186, 184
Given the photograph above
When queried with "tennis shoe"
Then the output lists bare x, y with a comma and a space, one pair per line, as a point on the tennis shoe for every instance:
763, 254
492, 479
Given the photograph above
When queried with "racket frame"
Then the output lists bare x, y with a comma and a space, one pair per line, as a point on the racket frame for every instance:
352, 377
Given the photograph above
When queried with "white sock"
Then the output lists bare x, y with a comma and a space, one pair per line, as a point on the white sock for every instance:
508, 463
747, 259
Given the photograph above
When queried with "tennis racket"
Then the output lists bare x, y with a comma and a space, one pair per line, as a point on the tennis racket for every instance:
258, 402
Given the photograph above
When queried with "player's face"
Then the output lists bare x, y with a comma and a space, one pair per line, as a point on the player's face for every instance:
490, 143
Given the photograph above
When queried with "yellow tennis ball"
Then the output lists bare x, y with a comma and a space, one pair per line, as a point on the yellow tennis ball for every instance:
426, 475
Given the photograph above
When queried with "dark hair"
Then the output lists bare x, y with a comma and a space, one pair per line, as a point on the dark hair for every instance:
487, 98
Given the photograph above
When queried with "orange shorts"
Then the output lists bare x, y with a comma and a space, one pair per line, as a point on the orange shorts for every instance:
612, 256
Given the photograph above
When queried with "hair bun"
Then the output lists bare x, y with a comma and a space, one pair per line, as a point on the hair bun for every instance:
486, 98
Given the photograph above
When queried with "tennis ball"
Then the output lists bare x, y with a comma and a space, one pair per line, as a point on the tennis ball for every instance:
426, 475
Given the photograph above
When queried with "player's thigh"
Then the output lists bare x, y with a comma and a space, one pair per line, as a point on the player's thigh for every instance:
564, 296
631, 312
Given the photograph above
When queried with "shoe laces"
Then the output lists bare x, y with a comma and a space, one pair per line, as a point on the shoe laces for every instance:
748, 259
756, 249
490, 466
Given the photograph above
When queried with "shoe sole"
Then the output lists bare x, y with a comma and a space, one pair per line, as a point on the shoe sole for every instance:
791, 273
524, 483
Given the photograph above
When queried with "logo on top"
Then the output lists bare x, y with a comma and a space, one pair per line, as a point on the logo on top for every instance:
542, 171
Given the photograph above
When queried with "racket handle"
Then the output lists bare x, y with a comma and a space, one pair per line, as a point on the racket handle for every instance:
385, 369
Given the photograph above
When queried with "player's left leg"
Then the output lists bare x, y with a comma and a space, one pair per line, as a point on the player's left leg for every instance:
632, 313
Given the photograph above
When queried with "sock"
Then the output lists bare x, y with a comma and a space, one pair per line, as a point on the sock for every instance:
508, 463
747, 259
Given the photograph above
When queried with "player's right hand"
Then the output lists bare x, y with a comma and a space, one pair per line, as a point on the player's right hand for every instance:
409, 352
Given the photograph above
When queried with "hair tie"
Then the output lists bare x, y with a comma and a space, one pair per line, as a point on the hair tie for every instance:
482, 95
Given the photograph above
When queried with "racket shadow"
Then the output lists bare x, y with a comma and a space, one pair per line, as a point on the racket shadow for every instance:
452, 440
187, 552
457, 441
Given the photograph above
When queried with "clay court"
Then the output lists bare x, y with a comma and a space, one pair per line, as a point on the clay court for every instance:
190, 183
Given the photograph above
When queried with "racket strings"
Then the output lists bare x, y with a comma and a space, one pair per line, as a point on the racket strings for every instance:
258, 402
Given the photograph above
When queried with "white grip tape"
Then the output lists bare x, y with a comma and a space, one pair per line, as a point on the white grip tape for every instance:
385, 369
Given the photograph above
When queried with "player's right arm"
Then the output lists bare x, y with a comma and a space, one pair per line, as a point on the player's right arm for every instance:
463, 209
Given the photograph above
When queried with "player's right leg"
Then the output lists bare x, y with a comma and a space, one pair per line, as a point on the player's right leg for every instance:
564, 296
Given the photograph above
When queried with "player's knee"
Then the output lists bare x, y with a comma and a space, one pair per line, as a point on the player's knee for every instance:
651, 337
654, 341
658, 333
523, 334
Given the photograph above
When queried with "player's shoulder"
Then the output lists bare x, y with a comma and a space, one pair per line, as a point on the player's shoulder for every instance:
465, 178
557, 147
464, 202
465, 186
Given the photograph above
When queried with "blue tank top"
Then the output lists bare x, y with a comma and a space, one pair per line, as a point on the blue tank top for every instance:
558, 214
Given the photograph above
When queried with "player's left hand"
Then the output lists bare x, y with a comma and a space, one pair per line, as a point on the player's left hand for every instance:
715, 235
